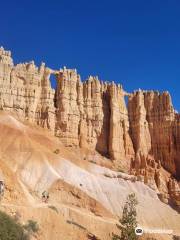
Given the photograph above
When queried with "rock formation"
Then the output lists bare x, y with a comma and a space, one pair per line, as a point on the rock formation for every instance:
26, 90
93, 114
120, 143
155, 128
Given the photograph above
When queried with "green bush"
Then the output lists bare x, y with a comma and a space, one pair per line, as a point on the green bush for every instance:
31, 227
10, 229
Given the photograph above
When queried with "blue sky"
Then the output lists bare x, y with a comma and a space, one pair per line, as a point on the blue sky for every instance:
136, 43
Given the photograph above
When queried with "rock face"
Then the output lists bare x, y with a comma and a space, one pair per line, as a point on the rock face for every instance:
120, 143
26, 90
80, 110
155, 128
155, 133
93, 114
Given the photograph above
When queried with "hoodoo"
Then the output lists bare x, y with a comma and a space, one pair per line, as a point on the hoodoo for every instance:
93, 112
142, 136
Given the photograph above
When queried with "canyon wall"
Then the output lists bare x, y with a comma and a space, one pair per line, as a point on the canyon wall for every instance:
26, 90
155, 128
93, 114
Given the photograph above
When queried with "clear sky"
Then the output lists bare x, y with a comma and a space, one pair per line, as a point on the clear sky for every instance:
133, 42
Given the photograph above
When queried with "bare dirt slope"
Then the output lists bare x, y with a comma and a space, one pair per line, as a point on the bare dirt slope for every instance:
84, 197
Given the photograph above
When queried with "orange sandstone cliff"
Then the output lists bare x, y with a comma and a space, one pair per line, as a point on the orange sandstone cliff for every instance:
93, 112
142, 137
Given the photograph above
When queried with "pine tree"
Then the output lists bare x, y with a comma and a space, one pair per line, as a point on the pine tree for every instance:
128, 222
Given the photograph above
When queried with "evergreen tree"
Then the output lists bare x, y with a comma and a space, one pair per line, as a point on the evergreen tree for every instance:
128, 222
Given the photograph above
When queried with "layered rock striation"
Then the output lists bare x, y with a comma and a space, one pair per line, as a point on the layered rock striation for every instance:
26, 90
155, 129
93, 114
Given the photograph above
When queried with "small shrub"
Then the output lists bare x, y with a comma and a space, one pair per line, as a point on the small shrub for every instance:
57, 151
121, 170
107, 175
53, 208
31, 227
